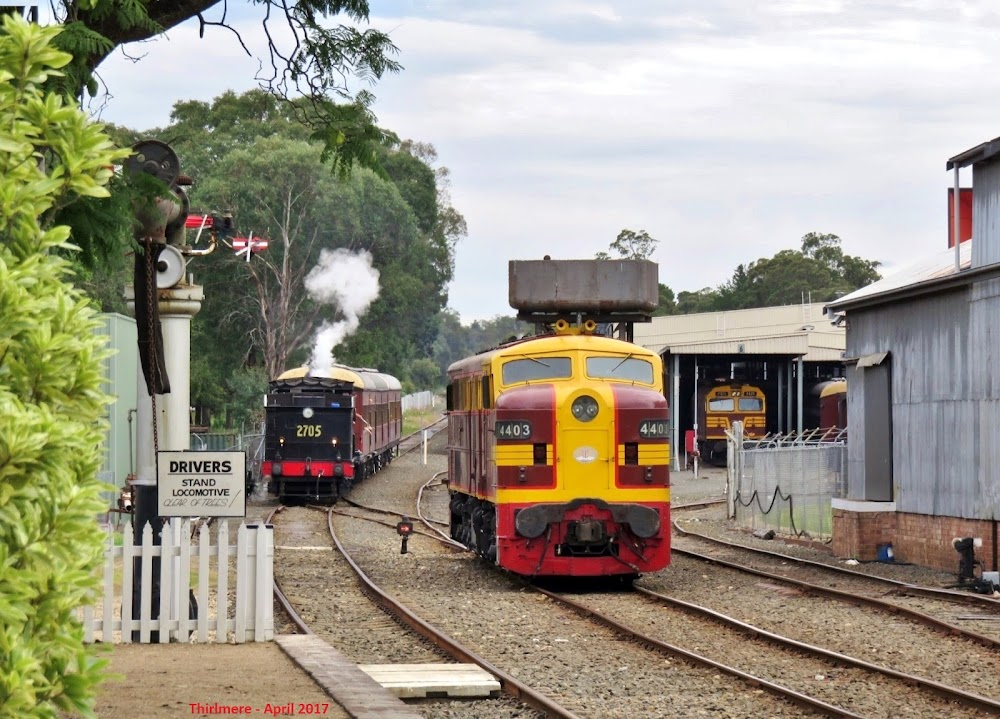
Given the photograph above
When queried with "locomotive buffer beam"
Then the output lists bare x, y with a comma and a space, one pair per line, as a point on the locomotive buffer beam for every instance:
532, 521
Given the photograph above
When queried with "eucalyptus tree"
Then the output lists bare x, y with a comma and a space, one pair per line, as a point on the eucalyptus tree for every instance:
632, 245
278, 189
313, 50
818, 271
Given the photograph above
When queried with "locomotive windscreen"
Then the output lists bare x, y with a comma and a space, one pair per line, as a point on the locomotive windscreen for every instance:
297, 433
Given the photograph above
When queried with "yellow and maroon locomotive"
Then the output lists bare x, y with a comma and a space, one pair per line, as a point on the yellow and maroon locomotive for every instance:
724, 403
558, 458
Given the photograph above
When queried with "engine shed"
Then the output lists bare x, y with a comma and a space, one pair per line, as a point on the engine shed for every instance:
924, 395
783, 352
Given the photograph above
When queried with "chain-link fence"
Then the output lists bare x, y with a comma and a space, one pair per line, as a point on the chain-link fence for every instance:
252, 444
785, 482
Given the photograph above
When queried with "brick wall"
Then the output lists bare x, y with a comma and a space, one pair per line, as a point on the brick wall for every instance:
916, 538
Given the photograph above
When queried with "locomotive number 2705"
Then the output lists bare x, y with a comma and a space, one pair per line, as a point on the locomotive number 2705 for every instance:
308, 430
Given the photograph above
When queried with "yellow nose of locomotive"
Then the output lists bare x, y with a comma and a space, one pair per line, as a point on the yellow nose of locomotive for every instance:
585, 426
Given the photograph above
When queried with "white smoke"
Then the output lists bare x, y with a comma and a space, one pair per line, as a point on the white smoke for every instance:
348, 281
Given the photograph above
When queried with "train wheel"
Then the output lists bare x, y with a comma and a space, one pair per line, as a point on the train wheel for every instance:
484, 523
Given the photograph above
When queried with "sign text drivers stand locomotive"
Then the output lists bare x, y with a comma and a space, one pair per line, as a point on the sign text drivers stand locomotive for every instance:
201, 484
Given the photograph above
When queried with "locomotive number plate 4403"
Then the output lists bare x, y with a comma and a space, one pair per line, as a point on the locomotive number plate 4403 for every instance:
653, 429
513, 429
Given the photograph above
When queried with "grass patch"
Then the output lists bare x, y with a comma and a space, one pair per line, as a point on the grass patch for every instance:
417, 419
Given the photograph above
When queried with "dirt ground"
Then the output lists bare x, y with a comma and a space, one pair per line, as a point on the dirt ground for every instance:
195, 680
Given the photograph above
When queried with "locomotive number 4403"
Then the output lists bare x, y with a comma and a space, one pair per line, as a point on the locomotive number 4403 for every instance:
308, 430
513, 429
653, 429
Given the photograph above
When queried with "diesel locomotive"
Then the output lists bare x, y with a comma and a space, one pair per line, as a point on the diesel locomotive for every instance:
721, 404
324, 431
558, 460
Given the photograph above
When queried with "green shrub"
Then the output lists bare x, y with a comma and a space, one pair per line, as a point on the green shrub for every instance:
50, 377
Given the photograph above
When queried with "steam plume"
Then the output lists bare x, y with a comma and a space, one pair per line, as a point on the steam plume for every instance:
348, 281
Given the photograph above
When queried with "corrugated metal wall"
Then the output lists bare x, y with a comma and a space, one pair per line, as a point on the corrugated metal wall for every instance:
120, 371
945, 401
855, 419
984, 355
986, 214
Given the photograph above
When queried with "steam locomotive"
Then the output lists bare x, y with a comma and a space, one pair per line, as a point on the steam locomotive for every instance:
324, 431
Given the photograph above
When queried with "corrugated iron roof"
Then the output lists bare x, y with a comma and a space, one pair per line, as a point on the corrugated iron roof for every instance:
792, 330
980, 153
936, 266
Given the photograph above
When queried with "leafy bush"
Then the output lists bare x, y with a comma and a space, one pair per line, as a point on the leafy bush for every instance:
50, 377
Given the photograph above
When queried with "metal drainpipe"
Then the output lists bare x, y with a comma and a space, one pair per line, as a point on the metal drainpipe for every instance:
956, 224
995, 568
781, 399
788, 398
695, 406
675, 382
799, 378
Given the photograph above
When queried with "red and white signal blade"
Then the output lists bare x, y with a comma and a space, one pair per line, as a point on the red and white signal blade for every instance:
194, 222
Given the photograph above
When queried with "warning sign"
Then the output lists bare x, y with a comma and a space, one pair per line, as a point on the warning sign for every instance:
201, 484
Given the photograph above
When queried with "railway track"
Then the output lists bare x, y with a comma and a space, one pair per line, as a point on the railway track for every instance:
709, 627
931, 606
819, 681
817, 671
419, 642
804, 672
550, 647
393, 635
892, 585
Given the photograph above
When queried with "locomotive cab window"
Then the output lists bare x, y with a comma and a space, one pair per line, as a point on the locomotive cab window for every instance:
751, 404
533, 369
626, 369
721, 405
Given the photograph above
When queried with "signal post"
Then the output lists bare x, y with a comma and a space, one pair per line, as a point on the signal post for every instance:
163, 300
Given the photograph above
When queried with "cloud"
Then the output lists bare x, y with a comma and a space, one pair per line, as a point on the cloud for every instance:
725, 129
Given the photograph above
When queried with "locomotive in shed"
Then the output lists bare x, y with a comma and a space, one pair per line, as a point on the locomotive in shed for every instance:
826, 405
558, 459
721, 404
325, 431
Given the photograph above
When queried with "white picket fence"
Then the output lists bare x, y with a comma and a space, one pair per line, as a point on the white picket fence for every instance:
252, 618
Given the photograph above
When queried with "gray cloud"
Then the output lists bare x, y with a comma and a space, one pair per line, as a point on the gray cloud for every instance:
725, 129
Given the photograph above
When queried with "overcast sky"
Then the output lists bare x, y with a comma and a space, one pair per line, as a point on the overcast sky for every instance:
726, 129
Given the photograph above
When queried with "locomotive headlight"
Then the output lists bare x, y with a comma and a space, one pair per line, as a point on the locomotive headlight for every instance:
584, 408
307, 412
